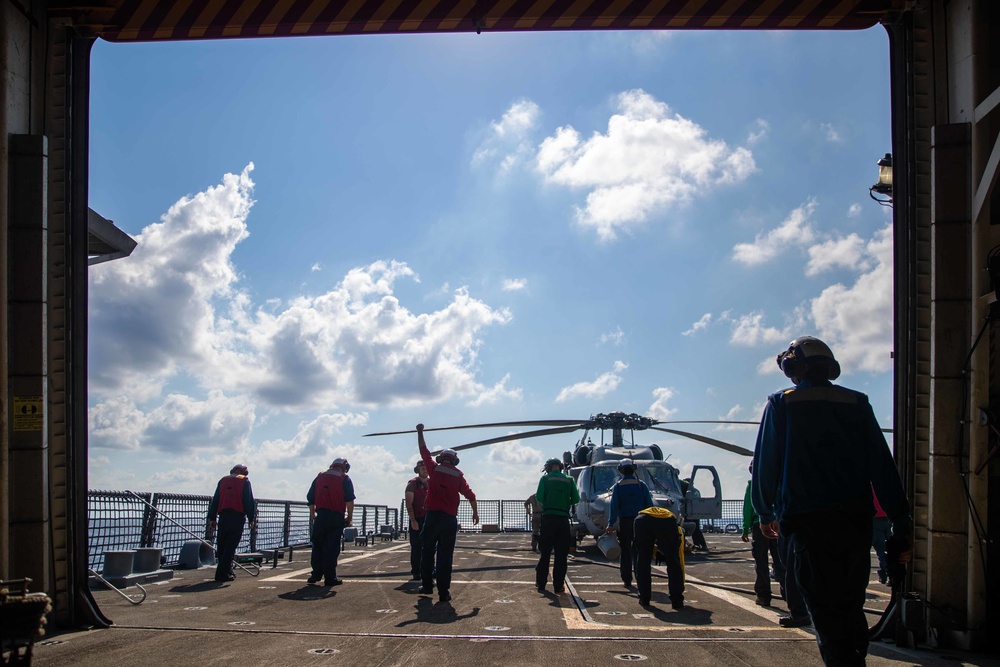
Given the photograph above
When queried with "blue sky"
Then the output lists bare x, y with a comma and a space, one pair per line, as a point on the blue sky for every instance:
354, 234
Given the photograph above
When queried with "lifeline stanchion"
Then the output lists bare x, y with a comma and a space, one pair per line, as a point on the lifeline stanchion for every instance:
118, 590
253, 573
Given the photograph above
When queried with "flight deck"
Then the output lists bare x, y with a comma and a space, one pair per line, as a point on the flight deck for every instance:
496, 616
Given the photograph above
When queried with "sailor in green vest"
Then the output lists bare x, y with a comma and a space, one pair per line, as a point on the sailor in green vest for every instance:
556, 494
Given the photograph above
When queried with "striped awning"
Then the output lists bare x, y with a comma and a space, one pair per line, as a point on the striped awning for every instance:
151, 20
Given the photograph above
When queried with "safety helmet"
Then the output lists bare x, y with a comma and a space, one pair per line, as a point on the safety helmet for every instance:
626, 466
557, 463
416, 468
239, 469
805, 353
342, 463
448, 454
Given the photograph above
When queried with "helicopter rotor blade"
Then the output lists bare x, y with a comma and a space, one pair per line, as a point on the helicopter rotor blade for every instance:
736, 449
539, 422
706, 421
518, 436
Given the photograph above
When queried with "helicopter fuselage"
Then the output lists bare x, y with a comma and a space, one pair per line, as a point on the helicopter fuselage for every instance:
596, 481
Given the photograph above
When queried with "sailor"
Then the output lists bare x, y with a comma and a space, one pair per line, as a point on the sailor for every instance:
416, 509
657, 527
534, 512
556, 493
331, 507
819, 454
629, 495
233, 504
760, 547
445, 483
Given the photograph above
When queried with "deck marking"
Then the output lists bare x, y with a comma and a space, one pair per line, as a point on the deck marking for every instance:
294, 574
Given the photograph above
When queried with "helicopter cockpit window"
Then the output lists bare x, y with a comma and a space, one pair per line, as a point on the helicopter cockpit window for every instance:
603, 478
660, 478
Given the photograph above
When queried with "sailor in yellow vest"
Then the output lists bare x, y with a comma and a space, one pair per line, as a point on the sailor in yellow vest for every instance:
657, 527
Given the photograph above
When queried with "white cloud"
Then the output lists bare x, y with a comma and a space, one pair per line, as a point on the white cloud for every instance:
750, 330
172, 311
516, 453
761, 129
314, 441
700, 325
602, 386
615, 337
831, 133
659, 409
857, 320
152, 313
496, 393
315, 267
795, 230
514, 284
854, 210
506, 143
847, 252
179, 424
649, 161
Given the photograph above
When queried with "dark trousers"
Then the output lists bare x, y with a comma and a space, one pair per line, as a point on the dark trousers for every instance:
698, 537
786, 577
881, 531
438, 537
760, 548
230, 532
832, 563
328, 531
416, 546
626, 538
661, 533
555, 536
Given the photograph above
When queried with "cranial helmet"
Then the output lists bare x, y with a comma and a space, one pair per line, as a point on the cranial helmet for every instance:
239, 469
448, 454
805, 353
553, 463
342, 463
626, 466
416, 468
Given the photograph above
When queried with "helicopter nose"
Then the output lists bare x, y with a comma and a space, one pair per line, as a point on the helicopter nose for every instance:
599, 505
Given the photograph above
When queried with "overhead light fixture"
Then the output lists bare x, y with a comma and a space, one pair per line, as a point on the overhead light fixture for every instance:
884, 185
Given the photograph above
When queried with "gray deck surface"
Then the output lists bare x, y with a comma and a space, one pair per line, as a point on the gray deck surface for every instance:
496, 617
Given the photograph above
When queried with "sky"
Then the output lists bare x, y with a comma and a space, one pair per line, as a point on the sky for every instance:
355, 234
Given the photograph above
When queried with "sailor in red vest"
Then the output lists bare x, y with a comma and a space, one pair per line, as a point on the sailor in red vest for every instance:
233, 504
445, 483
331, 506
416, 510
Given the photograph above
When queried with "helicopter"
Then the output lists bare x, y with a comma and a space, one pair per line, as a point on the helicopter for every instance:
594, 466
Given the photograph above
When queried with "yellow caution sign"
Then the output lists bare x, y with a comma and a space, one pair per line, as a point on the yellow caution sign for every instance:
29, 413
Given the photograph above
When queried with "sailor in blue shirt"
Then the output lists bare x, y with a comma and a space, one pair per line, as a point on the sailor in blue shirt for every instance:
629, 496
819, 453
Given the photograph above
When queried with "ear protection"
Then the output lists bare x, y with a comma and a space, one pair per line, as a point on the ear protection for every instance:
416, 468
239, 469
448, 454
804, 352
552, 463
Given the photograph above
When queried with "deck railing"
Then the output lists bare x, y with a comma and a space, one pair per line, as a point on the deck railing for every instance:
118, 520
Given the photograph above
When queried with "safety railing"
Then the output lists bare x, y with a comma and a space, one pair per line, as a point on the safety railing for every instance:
119, 520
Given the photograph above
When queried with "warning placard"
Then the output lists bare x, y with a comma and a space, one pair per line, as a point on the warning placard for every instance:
29, 413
